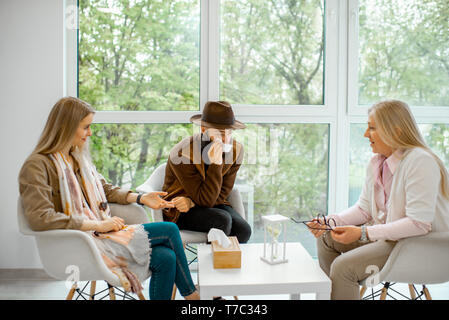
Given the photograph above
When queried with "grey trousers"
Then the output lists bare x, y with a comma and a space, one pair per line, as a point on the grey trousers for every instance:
347, 264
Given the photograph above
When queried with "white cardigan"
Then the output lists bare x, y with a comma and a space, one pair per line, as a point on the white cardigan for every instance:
415, 192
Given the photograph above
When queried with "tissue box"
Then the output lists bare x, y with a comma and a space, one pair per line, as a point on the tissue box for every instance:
230, 257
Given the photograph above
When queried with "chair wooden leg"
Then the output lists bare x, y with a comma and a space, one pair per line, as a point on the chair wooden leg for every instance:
426, 293
411, 288
173, 293
383, 295
72, 291
362, 292
111, 292
141, 296
93, 285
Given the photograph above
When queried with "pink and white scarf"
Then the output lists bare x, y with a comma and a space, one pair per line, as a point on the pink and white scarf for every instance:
126, 252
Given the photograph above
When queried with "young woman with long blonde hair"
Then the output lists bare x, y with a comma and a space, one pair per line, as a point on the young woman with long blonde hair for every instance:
406, 194
61, 189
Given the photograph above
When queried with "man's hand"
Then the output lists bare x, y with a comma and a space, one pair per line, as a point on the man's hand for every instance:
154, 201
215, 152
346, 234
183, 204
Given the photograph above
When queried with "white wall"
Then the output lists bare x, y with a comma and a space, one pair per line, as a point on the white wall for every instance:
31, 81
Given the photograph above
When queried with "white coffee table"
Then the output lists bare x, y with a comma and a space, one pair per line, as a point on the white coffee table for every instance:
301, 274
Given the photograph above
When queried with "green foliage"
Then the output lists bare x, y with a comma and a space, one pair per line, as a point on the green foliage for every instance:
137, 55
272, 52
404, 52
288, 166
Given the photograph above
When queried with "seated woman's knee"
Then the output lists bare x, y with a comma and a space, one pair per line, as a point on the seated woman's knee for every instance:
170, 228
163, 257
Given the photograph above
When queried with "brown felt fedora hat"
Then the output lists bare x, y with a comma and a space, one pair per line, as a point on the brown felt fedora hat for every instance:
217, 114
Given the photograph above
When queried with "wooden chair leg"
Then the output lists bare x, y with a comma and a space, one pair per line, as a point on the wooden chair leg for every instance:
362, 292
411, 288
173, 294
93, 285
426, 293
111, 292
383, 295
141, 296
71, 292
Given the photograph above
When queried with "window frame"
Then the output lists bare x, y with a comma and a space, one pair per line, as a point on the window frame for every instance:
434, 114
339, 111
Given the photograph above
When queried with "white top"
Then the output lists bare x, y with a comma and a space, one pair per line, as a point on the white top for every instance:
415, 192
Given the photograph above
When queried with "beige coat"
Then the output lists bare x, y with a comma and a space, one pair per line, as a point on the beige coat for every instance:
39, 189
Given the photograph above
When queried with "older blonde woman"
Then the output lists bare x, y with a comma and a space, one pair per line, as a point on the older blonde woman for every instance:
406, 194
61, 189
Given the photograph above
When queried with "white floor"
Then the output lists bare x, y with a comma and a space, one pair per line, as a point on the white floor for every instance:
19, 286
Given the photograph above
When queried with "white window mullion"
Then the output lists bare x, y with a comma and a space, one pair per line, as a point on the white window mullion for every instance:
214, 49
339, 142
143, 116
70, 48
331, 55
335, 78
352, 18
283, 110
204, 53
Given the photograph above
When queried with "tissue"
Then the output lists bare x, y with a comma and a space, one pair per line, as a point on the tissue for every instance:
219, 236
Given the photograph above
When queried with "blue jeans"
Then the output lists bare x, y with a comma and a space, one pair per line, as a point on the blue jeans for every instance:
168, 262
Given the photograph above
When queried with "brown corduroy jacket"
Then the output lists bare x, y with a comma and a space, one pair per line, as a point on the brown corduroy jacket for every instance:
41, 196
186, 176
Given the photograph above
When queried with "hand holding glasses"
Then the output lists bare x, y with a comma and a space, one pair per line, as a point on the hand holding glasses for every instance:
319, 224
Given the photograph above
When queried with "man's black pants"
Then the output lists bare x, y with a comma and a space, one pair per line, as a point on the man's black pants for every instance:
221, 217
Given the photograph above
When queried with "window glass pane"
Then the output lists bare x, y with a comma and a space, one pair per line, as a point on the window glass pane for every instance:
404, 52
272, 52
139, 55
285, 168
286, 172
127, 154
436, 136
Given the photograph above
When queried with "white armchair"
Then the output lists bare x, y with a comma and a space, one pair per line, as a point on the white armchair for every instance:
59, 249
416, 260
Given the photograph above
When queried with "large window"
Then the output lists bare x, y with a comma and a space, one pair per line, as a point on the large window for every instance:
139, 55
301, 74
404, 51
272, 52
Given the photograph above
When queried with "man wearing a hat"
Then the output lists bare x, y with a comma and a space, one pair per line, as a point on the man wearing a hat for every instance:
200, 175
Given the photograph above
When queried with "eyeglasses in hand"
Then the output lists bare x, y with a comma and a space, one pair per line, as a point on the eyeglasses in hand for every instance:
327, 223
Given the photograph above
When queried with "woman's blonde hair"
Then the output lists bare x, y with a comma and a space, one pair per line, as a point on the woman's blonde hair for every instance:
397, 128
62, 123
